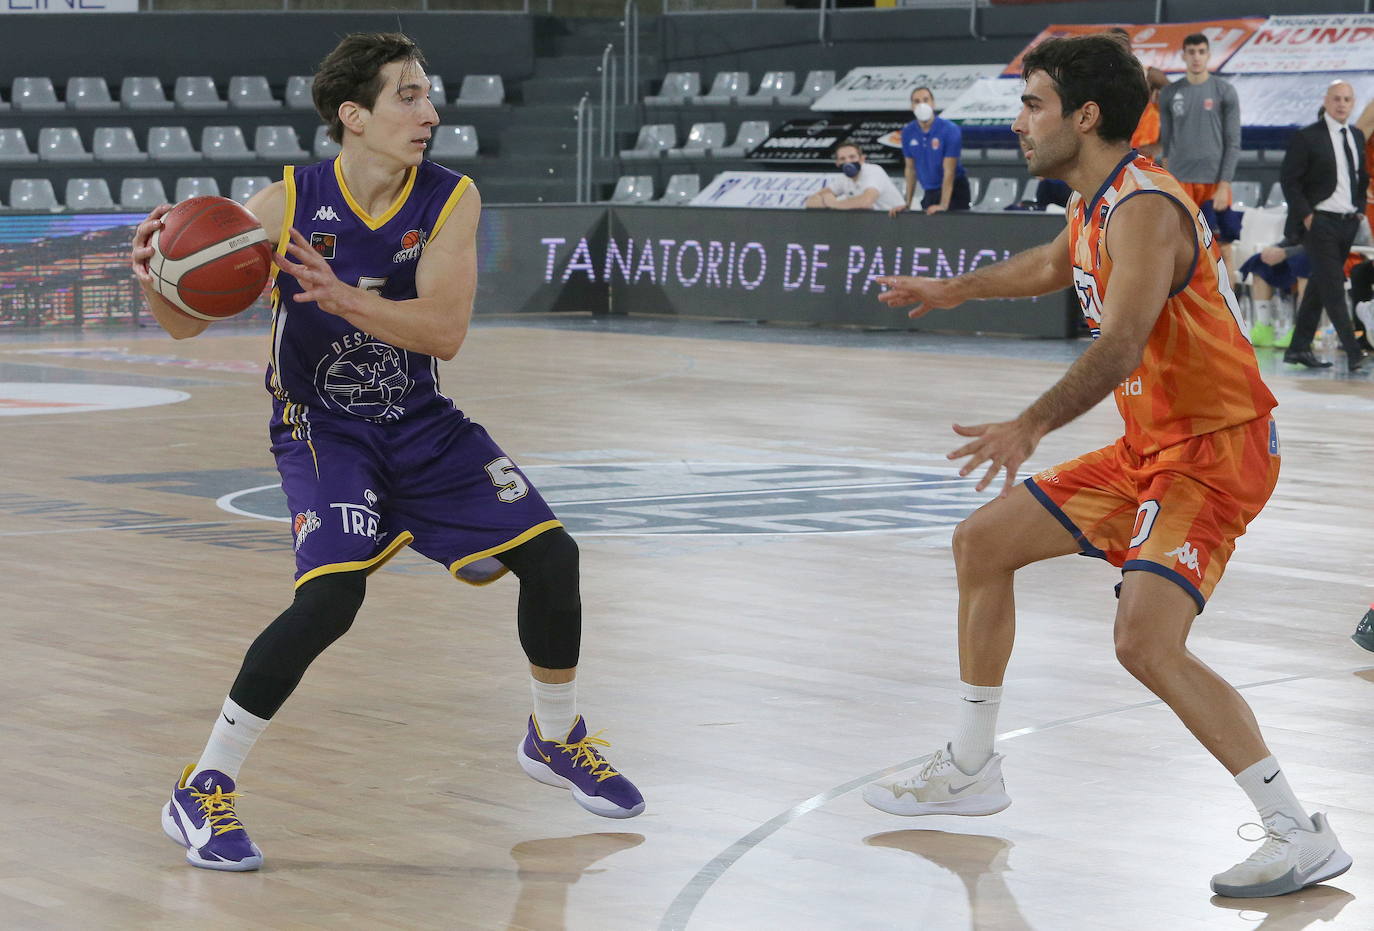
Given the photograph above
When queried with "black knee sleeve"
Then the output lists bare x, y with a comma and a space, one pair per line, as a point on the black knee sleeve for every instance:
322, 612
550, 613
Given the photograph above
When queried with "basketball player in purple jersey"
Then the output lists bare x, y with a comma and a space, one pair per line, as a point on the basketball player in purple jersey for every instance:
376, 251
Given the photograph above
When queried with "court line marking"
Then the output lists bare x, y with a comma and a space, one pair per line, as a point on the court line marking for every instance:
164, 525
680, 911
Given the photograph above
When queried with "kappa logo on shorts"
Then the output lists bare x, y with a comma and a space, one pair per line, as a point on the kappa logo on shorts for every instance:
360, 519
324, 244
1188, 556
305, 524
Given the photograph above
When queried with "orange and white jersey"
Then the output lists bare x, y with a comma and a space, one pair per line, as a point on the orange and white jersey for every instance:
1198, 373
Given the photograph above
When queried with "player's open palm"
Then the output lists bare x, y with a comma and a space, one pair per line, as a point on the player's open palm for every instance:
317, 280
1002, 445
926, 293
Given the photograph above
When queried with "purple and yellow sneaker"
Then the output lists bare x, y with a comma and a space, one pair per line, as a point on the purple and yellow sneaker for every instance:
576, 763
201, 818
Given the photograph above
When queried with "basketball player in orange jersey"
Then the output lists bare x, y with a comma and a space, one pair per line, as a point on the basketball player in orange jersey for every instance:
1166, 502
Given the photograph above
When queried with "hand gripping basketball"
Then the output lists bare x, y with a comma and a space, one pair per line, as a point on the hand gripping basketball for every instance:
207, 256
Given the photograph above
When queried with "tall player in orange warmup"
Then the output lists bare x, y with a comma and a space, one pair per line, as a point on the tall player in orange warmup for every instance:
1166, 502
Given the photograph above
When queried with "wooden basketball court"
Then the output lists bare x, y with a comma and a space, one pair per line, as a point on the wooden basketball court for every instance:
764, 520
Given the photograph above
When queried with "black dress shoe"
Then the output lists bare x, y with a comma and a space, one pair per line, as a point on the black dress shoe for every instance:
1305, 358
1358, 359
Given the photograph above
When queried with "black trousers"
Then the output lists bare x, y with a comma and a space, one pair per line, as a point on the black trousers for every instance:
1327, 243
958, 196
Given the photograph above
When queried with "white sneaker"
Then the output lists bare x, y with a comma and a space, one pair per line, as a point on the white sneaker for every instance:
1287, 861
938, 787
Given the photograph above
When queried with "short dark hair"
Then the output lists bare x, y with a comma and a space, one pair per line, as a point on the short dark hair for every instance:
921, 88
353, 72
1099, 68
1196, 38
851, 144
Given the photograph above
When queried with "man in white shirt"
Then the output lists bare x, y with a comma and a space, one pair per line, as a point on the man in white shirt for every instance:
861, 186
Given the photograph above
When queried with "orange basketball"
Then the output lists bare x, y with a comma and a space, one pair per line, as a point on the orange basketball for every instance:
212, 258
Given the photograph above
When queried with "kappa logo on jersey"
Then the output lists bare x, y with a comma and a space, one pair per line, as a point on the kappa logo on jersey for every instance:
360, 519
1188, 556
305, 524
327, 213
412, 243
324, 244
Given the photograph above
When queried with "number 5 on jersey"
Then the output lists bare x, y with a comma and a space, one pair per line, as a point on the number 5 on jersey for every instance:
504, 476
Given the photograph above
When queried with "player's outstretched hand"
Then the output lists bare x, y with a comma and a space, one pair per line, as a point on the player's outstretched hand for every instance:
926, 293
140, 253
1001, 445
318, 281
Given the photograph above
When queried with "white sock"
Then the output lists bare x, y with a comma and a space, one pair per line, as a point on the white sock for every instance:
972, 743
233, 736
1268, 789
1264, 312
555, 707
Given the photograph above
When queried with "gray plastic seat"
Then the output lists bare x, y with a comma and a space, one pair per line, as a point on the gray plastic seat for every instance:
116, 144
34, 95
437, 94
750, 134
32, 194
14, 147
197, 92
633, 189
143, 93
1002, 156
481, 90
813, 85
61, 144
975, 187
1001, 194
1245, 195
171, 144
298, 92
1276, 197
1030, 191
141, 193
323, 146
678, 88
453, 142
88, 194
196, 186
775, 84
726, 88
681, 189
89, 95
242, 188
654, 139
224, 144
251, 92
278, 144
702, 138
1248, 157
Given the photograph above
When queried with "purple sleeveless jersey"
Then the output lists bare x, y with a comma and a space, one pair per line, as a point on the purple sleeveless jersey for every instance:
320, 361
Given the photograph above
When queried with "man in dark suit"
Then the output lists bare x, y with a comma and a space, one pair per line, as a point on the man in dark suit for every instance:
1324, 180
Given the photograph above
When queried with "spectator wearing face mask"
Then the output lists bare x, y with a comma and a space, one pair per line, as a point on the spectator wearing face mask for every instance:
861, 186
932, 147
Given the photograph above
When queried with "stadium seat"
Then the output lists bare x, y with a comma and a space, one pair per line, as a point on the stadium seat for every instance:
453, 142
701, 139
751, 133
725, 89
1003, 156
141, 193
196, 187
481, 90
1249, 157
633, 189
1030, 192
250, 92
1001, 194
224, 144
975, 187
323, 146
775, 84
278, 144
61, 144
89, 95
88, 194
654, 139
171, 144
143, 93
1272, 156
1245, 195
242, 188
298, 92
678, 88
815, 84
32, 194
437, 96
34, 95
1276, 198
197, 92
116, 144
14, 147
681, 189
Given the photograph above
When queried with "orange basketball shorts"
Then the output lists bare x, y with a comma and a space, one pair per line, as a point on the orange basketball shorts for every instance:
1177, 512
1199, 193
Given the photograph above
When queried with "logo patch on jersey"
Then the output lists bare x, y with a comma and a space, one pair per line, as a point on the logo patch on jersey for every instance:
412, 244
365, 378
305, 524
1207, 104
327, 213
324, 243
935, 144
